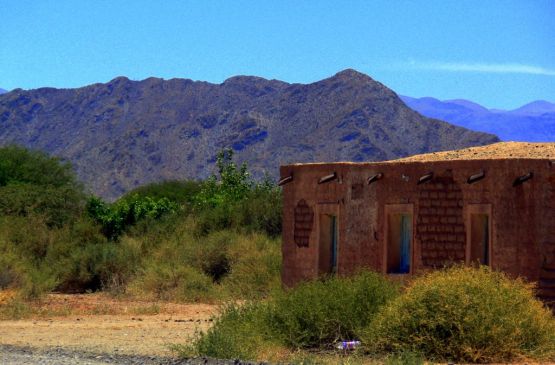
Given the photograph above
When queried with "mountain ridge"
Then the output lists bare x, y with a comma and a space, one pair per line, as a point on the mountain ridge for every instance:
532, 122
125, 133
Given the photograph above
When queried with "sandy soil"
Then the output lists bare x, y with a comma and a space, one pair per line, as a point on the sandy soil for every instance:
500, 150
100, 324
493, 151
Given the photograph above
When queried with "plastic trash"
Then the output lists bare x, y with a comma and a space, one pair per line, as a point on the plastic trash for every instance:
347, 345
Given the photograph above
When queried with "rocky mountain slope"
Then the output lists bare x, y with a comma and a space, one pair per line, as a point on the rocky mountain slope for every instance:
533, 122
127, 133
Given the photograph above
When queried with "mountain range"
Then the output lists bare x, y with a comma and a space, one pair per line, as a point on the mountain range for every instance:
125, 133
533, 122
2, 91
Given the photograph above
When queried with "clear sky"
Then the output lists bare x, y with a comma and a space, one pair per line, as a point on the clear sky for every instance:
498, 53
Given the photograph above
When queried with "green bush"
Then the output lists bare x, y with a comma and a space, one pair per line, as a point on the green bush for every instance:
37, 258
317, 314
24, 244
255, 266
238, 333
258, 211
465, 315
19, 165
235, 265
11, 272
32, 183
233, 200
261, 211
58, 206
209, 236
231, 185
117, 217
180, 192
39, 281
167, 281
312, 315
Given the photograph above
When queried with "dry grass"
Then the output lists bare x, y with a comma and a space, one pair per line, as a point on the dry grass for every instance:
63, 305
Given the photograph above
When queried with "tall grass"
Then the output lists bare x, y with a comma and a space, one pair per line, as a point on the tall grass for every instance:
220, 265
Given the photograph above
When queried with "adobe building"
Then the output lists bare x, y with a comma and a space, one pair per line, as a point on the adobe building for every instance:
493, 205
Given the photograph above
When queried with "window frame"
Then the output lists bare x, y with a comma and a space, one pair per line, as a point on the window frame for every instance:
407, 208
484, 209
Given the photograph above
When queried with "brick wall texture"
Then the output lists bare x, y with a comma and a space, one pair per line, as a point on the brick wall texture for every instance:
522, 218
440, 223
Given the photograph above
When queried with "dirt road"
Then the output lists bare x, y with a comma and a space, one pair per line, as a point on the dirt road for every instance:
11, 355
98, 324
119, 334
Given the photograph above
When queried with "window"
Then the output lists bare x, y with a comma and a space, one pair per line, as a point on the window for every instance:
328, 244
478, 235
399, 239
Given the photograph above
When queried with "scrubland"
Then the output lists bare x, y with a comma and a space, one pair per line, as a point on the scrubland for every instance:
216, 242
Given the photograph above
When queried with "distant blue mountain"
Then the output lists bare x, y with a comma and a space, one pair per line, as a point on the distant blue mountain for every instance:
533, 122
2, 91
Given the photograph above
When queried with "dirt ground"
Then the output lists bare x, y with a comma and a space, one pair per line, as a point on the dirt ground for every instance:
100, 324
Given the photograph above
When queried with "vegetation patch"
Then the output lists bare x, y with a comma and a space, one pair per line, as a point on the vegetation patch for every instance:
218, 240
318, 314
314, 315
175, 240
465, 315
459, 314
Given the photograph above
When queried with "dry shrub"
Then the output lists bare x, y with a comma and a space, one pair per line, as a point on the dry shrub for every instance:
166, 281
464, 314
255, 264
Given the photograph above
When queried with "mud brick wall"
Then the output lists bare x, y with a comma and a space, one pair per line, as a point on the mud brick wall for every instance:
440, 223
522, 217
304, 220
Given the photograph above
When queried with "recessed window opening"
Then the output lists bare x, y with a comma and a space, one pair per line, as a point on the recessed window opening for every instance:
328, 244
479, 239
399, 239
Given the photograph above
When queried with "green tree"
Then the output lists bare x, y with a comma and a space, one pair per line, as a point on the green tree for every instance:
231, 185
127, 211
19, 165
33, 183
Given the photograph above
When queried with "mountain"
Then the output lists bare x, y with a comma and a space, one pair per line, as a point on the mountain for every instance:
468, 105
2, 91
537, 107
127, 133
533, 122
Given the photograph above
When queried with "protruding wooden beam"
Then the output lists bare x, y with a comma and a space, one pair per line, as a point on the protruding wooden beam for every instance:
374, 178
328, 178
425, 178
519, 180
285, 180
476, 177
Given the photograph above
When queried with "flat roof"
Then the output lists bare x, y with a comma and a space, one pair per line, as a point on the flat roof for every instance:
495, 151
501, 150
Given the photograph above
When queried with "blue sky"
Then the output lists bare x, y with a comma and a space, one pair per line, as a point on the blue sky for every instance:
498, 53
